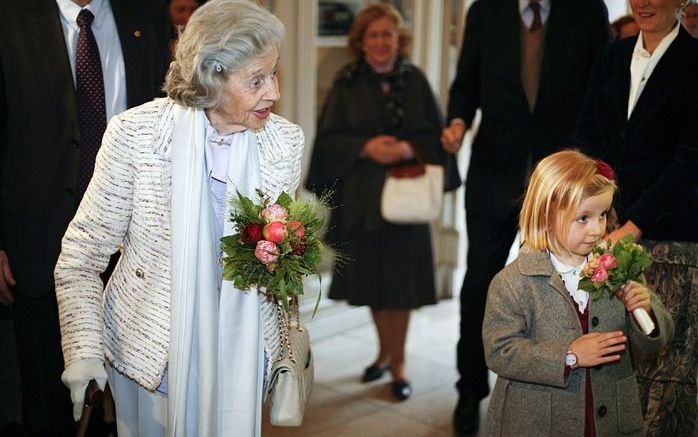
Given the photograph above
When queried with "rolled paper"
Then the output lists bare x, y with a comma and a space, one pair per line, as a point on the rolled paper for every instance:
643, 320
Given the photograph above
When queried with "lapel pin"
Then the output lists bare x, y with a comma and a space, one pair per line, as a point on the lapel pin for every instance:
137, 34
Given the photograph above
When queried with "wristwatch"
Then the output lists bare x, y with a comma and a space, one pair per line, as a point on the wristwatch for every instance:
571, 359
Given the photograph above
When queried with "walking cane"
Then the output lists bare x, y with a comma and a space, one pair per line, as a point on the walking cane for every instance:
93, 397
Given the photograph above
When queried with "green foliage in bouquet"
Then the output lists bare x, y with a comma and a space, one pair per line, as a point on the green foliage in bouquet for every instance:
275, 245
611, 266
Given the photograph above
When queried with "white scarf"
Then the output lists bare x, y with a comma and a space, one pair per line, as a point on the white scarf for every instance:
214, 386
240, 340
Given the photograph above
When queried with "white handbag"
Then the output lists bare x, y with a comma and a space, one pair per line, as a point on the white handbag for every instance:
413, 194
293, 374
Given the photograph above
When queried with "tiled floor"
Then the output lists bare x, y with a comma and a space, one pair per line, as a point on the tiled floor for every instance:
340, 405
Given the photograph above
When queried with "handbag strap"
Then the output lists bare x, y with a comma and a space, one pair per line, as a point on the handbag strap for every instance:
285, 321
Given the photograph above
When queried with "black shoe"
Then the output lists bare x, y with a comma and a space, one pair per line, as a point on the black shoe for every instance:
373, 372
401, 389
466, 418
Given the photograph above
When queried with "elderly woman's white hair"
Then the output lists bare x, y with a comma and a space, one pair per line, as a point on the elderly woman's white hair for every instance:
221, 37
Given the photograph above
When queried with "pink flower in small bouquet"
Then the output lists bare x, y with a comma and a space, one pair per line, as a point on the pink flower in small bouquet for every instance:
612, 266
599, 275
274, 244
297, 228
267, 252
275, 231
274, 213
607, 261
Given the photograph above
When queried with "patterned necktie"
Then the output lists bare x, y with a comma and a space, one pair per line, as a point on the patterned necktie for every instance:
89, 92
537, 20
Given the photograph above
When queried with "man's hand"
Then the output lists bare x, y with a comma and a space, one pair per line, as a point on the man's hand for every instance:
452, 136
7, 280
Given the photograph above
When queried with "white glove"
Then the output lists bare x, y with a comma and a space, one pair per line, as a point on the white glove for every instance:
78, 375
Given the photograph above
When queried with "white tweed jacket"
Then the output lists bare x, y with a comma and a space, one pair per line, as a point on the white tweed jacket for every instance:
127, 206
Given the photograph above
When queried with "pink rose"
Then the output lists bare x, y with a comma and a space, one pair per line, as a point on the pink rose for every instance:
274, 213
607, 261
599, 275
297, 228
275, 232
267, 252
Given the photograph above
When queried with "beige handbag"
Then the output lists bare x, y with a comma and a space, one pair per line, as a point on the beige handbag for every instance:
292, 375
413, 194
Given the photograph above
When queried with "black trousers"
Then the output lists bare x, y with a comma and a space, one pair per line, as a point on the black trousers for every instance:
47, 409
46, 406
489, 241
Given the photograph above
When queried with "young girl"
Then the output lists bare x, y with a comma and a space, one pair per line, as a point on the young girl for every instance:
563, 362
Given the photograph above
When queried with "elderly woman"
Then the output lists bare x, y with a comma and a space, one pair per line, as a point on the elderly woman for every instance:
380, 112
186, 353
641, 118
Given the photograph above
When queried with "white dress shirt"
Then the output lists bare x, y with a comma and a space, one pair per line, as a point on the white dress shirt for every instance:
643, 64
107, 37
527, 13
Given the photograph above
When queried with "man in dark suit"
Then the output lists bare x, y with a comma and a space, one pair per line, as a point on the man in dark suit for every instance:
42, 134
525, 66
640, 115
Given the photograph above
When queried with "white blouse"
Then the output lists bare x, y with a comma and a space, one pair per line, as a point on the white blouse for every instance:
570, 277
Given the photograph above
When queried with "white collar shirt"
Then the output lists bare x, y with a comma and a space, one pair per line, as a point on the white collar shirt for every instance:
107, 37
643, 64
570, 277
527, 13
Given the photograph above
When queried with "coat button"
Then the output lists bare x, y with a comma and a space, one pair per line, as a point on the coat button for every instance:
139, 273
601, 411
594, 321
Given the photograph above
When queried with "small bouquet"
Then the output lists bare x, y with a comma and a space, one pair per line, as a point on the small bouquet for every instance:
611, 266
275, 245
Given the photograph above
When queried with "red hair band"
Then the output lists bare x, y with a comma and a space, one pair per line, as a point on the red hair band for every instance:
605, 170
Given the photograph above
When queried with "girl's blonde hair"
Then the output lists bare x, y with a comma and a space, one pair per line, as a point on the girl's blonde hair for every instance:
558, 185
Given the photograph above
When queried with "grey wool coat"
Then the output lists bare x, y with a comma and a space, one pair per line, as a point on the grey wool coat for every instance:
529, 323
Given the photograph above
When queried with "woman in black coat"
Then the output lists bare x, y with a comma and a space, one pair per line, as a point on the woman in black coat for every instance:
641, 116
380, 112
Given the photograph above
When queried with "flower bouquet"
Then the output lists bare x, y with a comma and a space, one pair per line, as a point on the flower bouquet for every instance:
275, 245
611, 266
